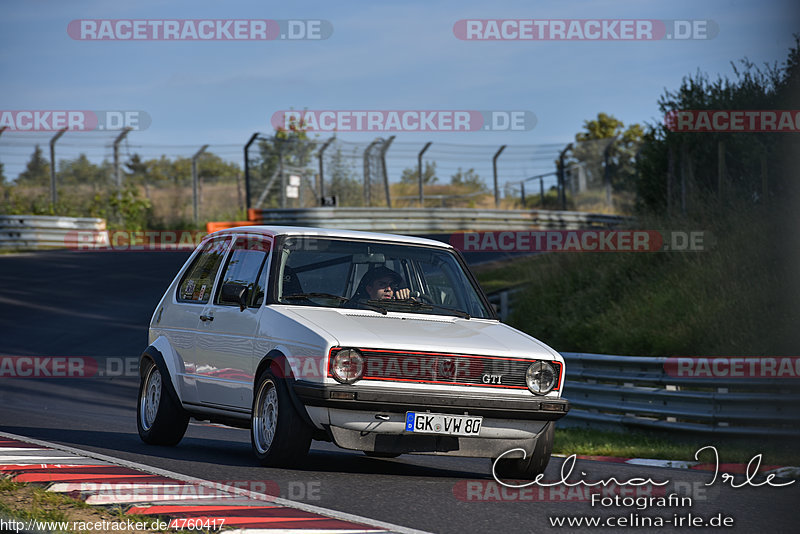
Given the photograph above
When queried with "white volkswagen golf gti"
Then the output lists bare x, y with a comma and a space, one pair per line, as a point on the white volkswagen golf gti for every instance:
379, 343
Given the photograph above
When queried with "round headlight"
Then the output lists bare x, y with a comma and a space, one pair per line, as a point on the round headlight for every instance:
541, 377
347, 366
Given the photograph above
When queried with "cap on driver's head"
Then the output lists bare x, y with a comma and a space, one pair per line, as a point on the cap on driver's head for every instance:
381, 272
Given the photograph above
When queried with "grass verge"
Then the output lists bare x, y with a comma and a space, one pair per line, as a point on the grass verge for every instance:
25, 502
737, 297
640, 444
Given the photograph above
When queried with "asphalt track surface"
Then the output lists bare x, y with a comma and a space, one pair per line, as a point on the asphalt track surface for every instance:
99, 304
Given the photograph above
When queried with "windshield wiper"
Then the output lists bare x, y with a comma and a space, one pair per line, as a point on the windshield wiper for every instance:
420, 306
297, 296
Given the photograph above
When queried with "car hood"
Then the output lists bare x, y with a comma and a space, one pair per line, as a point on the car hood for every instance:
436, 333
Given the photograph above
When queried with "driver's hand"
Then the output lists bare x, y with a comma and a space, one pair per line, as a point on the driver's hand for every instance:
402, 294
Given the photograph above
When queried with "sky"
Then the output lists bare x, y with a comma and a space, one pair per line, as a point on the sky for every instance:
380, 56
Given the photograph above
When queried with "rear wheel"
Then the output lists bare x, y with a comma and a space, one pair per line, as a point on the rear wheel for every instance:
534, 463
278, 435
160, 420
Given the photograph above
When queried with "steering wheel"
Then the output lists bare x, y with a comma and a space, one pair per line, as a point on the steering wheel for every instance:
424, 298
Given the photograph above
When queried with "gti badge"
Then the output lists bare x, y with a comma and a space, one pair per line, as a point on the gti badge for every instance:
488, 378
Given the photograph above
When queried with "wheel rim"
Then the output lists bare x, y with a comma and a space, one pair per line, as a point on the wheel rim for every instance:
150, 398
265, 418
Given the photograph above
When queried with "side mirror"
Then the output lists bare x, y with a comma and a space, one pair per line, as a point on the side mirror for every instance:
233, 293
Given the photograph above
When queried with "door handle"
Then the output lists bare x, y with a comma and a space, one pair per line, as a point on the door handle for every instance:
206, 318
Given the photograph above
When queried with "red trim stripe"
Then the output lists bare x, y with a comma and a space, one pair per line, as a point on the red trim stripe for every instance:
442, 382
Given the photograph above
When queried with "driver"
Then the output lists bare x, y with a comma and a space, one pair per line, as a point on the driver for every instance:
382, 283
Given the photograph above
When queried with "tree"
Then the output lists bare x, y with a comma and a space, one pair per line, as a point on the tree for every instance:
469, 180
343, 181
2, 175
411, 176
211, 168
288, 147
80, 171
37, 170
606, 132
747, 155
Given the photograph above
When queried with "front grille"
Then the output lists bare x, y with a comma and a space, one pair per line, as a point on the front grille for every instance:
452, 369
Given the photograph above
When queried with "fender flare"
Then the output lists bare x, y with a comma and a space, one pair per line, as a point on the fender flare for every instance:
279, 364
152, 353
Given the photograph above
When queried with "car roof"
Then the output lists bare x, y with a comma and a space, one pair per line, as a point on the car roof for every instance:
330, 232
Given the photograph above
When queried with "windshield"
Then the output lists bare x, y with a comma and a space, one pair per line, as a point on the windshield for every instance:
342, 273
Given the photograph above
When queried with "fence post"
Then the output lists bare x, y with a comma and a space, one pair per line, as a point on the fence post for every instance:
117, 141
384, 149
494, 171
522, 187
419, 171
321, 185
247, 171
541, 190
195, 207
281, 174
607, 170
562, 193
53, 192
367, 177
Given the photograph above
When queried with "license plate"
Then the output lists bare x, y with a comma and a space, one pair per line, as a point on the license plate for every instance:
448, 425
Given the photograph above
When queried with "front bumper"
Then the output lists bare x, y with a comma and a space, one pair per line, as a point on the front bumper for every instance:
402, 400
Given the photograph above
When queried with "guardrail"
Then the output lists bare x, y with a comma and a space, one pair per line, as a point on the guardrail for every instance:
433, 220
42, 231
620, 392
630, 391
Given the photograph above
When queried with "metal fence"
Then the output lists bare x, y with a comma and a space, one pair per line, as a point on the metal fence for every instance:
39, 231
620, 392
184, 185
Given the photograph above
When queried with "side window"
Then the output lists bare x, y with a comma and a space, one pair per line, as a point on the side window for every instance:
196, 284
246, 263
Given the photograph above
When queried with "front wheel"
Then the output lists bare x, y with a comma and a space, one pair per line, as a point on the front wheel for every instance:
160, 420
535, 462
278, 435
